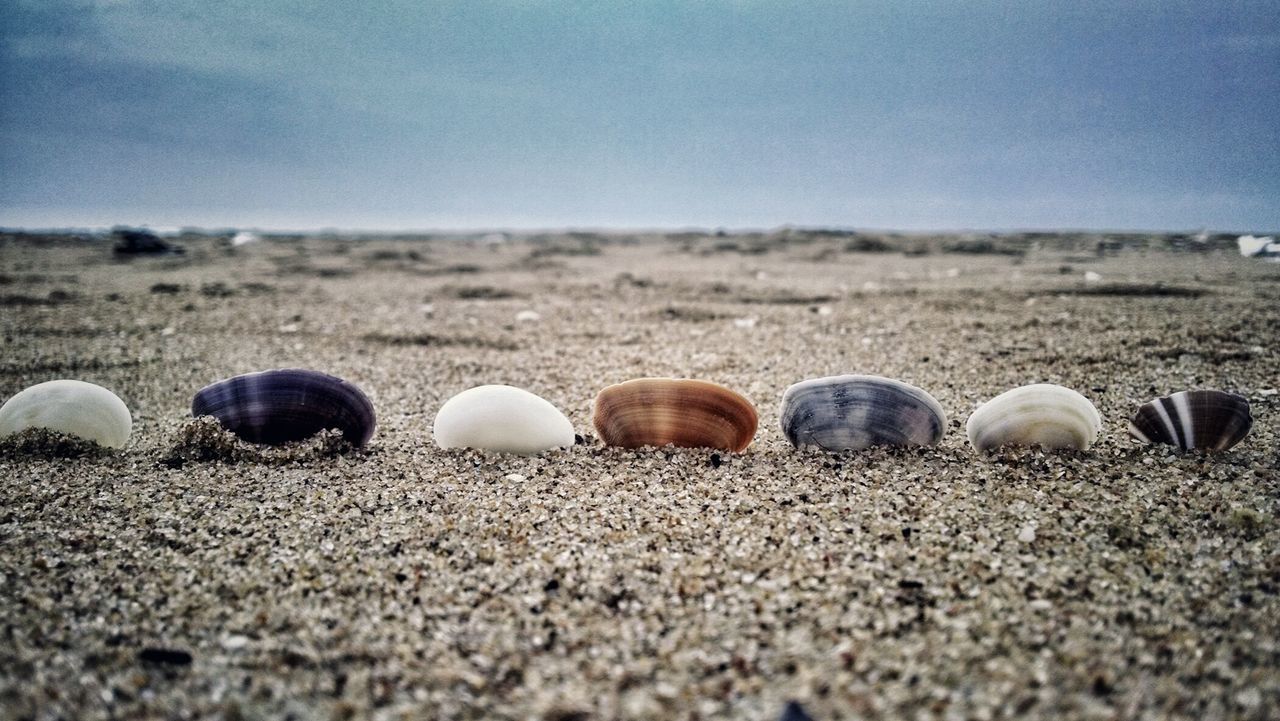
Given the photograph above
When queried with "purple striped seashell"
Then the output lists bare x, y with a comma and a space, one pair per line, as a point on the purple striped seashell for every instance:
279, 406
1212, 420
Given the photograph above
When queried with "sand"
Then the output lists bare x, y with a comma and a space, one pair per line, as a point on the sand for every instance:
195, 576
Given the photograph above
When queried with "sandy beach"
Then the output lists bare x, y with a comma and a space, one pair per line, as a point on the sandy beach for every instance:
192, 575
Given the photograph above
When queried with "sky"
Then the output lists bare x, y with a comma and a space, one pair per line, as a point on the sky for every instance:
412, 114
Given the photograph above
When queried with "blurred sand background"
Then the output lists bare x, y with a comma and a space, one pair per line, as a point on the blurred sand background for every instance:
194, 578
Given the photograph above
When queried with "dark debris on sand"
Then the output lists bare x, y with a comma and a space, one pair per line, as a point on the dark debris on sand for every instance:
132, 242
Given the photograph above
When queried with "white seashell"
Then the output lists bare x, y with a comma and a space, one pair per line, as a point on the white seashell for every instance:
1036, 415
72, 407
499, 418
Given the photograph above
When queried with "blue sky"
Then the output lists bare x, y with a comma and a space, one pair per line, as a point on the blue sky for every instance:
400, 114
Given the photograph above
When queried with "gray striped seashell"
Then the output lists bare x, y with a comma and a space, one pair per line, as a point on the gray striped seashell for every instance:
76, 408
1042, 414
279, 406
1211, 420
853, 412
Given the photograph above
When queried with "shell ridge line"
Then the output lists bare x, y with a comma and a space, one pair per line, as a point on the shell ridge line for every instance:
1181, 401
859, 422
801, 412
1149, 430
910, 405
1242, 423
1007, 425
885, 429
1242, 428
1044, 419
1174, 430
658, 425
914, 419
1133, 428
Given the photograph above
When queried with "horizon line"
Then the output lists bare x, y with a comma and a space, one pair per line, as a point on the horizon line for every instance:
611, 230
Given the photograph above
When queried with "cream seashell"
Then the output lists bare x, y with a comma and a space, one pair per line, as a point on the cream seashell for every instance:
501, 418
853, 412
1042, 414
1212, 420
75, 408
678, 412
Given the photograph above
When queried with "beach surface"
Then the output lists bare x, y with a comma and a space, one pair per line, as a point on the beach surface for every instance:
192, 575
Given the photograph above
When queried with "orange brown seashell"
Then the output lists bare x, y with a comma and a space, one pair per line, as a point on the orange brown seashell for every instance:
678, 412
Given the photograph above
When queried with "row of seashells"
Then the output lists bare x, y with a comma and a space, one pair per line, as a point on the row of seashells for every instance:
848, 412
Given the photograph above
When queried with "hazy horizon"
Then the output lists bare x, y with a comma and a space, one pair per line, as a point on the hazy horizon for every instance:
471, 116
166, 230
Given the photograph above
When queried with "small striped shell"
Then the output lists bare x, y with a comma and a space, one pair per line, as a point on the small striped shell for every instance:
852, 412
76, 408
1212, 420
501, 418
667, 411
1042, 414
279, 406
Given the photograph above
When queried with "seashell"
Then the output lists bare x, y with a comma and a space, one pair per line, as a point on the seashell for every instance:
1042, 414
793, 711
667, 411
852, 412
279, 406
1213, 420
500, 418
76, 408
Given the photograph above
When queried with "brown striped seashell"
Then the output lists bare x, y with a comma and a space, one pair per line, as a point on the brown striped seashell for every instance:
677, 412
1211, 420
